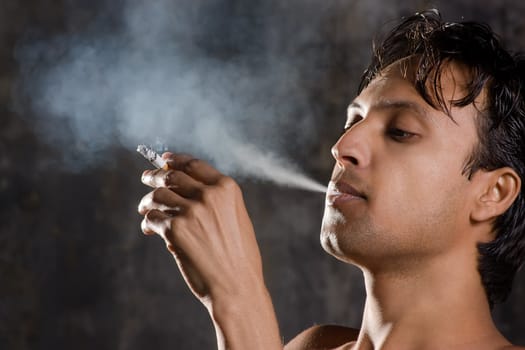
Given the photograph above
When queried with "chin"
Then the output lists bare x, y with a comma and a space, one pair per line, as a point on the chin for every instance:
333, 221
330, 243
345, 240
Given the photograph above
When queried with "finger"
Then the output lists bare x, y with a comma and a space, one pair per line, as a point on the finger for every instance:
156, 221
176, 160
196, 168
154, 177
176, 180
162, 199
149, 177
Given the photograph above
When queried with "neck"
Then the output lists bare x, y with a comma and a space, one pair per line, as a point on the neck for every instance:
439, 303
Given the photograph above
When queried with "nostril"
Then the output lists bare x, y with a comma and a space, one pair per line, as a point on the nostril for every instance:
352, 160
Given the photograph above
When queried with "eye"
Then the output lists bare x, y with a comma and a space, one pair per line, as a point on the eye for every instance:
399, 134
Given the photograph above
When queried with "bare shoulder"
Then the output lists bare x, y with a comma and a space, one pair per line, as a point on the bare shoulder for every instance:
514, 347
322, 337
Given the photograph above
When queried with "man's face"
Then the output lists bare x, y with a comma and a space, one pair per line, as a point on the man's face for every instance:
398, 193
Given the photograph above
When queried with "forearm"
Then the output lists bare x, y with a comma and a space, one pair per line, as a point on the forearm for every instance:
246, 322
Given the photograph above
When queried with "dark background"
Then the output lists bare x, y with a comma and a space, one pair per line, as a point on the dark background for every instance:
75, 270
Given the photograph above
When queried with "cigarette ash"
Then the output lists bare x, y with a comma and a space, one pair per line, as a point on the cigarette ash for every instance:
153, 157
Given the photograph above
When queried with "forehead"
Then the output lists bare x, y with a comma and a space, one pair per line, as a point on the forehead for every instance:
451, 83
446, 83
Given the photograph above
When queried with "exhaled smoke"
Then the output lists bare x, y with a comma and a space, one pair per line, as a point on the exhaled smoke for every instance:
195, 74
269, 166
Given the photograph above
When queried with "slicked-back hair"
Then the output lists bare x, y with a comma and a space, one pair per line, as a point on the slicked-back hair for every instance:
500, 76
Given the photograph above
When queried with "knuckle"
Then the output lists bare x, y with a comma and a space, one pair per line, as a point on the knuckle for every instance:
145, 204
153, 173
169, 178
214, 194
228, 183
144, 225
142, 205
191, 165
148, 177
141, 209
224, 186
207, 195
145, 175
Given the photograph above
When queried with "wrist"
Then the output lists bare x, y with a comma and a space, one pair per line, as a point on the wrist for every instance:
245, 320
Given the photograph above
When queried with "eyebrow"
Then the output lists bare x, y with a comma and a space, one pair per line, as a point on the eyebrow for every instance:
394, 104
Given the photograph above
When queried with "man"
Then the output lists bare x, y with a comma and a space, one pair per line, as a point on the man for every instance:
426, 198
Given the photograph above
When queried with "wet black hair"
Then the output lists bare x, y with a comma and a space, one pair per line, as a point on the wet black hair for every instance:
499, 76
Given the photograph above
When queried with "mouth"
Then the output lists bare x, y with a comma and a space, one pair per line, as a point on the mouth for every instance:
340, 192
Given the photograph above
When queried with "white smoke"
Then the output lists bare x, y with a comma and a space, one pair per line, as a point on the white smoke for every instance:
169, 70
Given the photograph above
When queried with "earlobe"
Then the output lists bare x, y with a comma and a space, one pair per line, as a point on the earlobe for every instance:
499, 189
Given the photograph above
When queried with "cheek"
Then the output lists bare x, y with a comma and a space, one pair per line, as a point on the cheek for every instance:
421, 207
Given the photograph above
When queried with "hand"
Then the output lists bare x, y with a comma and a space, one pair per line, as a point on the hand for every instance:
201, 216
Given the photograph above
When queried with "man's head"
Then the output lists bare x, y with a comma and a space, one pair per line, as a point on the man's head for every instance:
435, 153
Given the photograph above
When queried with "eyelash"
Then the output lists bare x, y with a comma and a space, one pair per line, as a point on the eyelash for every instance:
396, 134
399, 135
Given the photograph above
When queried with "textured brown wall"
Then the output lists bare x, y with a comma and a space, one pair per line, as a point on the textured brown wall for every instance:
75, 271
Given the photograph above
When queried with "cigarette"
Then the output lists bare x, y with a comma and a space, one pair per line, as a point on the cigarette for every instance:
152, 156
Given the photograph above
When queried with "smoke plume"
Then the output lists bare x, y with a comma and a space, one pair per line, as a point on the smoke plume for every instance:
212, 78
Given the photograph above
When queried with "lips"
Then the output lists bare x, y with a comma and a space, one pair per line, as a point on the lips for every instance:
340, 192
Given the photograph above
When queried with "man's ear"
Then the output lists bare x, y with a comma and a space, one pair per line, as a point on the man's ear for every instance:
497, 191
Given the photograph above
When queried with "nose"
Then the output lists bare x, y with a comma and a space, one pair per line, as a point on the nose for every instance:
352, 148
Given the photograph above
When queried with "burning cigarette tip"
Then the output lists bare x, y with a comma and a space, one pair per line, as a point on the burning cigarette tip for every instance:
152, 156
